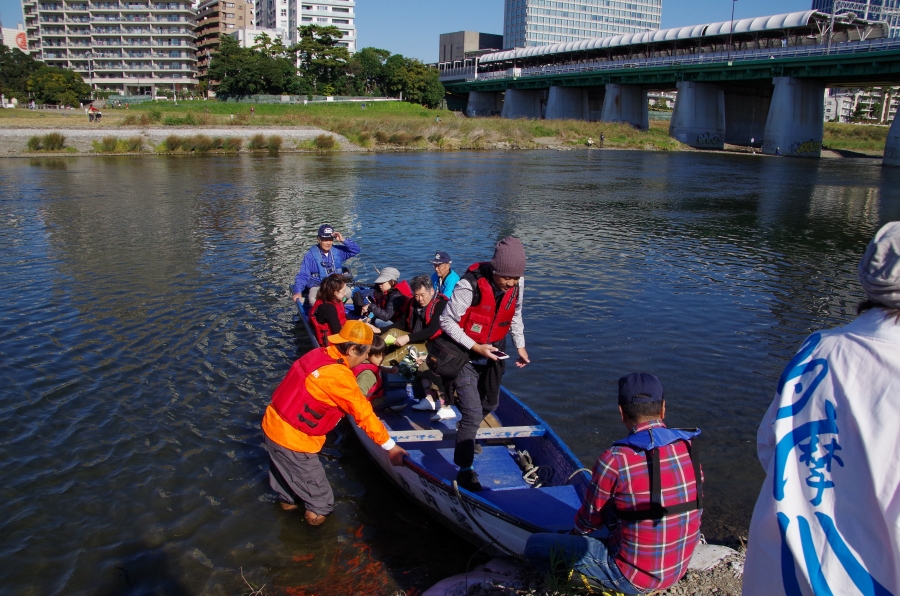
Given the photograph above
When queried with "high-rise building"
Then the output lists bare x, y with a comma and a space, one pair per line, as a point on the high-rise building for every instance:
132, 47
871, 10
530, 23
215, 18
289, 15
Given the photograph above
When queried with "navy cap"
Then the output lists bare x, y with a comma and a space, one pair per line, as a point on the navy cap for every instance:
440, 257
639, 387
326, 232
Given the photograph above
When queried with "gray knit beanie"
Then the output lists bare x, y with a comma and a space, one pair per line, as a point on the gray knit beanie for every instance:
509, 258
879, 269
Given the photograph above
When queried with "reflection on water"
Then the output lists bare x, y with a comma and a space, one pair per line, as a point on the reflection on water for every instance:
145, 321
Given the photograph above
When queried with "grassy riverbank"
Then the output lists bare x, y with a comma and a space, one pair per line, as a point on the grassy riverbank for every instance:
862, 138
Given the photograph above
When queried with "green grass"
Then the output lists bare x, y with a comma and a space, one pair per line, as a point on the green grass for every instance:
48, 142
855, 137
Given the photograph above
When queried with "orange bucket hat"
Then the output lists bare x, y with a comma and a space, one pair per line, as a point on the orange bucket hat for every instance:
355, 331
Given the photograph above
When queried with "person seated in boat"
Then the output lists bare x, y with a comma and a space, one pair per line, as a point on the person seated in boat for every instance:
327, 315
322, 260
390, 298
319, 389
444, 278
639, 522
486, 306
370, 375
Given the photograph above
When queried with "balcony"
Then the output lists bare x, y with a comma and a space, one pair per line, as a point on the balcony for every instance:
52, 55
53, 7
107, 30
84, 19
44, 19
136, 6
136, 44
77, 8
137, 31
105, 6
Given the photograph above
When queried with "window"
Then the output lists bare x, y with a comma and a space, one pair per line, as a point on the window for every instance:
229, 5
306, 19
321, 20
229, 15
284, 12
340, 21
336, 9
229, 25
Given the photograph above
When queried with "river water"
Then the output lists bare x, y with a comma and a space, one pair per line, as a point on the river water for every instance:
145, 320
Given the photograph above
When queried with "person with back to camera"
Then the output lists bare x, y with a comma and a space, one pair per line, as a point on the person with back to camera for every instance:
318, 390
322, 260
328, 314
827, 520
444, 278
486, 306
639, 523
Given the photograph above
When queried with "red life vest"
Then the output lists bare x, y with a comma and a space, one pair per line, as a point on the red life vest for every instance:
322, 330
429, 312
296, 405
406, 292
377, 389
483, 321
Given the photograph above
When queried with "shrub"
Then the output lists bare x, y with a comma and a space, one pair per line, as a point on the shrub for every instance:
187, 120
108, 144
54, 142
275, 143
233, 144
365, 137
133, 145
401, 138
198, 143
436, 137
172, 142
217, 142
543, 131
381, 136
257, 142
34, 144
154, 115
130, 120
324, 142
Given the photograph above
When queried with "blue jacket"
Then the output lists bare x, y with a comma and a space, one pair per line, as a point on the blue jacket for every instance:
316, 265
449, 283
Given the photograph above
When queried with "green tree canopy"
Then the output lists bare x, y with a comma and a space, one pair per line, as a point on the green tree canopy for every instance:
321, 61
15, 68
417, 82
366, 72
58, 86
246, 71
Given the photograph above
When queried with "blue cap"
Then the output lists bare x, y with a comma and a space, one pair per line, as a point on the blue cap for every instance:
440, 258
640, 387
326, 232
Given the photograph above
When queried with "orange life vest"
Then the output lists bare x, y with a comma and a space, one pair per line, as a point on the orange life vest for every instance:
322, 330
428, 314
483, 321
296, 405
377, 389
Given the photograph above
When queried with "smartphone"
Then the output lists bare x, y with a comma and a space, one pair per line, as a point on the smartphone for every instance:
501, 355
369, 300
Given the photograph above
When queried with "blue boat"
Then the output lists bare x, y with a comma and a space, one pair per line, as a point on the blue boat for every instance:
517, 500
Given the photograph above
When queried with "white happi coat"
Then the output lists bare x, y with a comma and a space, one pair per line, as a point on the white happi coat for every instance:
827, 521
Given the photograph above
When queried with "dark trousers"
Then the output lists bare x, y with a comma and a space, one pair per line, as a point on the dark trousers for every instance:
298, 476
477, 395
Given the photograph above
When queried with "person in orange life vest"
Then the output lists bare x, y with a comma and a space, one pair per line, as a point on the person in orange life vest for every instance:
317, 392
327, 316
486, 306
391, 296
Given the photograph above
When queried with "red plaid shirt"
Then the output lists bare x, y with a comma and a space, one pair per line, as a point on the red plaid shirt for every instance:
652, 554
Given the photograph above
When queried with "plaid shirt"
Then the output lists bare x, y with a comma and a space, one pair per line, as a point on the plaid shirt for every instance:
652, 554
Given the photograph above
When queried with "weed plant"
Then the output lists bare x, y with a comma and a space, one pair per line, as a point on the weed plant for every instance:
49, 142
324, 142
274, 143
257, 142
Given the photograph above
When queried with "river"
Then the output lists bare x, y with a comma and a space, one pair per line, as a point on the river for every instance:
145, 320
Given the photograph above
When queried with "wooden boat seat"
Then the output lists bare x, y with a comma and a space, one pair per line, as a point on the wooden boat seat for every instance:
550, 507
495, 466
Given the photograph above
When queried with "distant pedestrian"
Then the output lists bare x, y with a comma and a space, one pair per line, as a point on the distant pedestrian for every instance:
778, 151
590, 142
252, 110
437, 119
602, 139
752, 141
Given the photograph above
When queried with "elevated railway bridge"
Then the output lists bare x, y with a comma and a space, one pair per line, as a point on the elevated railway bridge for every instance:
762, 79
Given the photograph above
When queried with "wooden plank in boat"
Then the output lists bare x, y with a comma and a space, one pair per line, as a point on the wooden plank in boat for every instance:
503, 432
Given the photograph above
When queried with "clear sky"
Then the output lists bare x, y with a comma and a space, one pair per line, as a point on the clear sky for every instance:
412, 27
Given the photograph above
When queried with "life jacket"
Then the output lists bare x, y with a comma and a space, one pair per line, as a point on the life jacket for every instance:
296, 405
483, 321
428, 314
377, 389
333, 263
322, 330
649, 441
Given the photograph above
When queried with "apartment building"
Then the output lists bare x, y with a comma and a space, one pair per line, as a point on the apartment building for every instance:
289, 15
528, 23
873, 104
216, 18
132, 47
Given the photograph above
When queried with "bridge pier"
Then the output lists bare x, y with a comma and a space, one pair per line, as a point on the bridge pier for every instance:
746, 110
626, 103
524, 103
892, 146
567, 103
795, 124
484, 103
699, 116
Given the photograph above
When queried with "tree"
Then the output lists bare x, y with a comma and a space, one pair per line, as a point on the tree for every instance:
246, 71
58, 86
366, 71
321, 61
417, 82
15, 68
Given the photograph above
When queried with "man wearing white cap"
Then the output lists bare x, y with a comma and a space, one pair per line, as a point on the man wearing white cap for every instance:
827, 520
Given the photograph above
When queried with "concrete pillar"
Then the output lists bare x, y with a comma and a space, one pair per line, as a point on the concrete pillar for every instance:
746, 110
524, 103
796, 120
699, 116
892, 146
567, 103
484, 103
626, 103
595, 96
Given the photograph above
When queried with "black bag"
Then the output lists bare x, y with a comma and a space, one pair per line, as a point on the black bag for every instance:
446, 357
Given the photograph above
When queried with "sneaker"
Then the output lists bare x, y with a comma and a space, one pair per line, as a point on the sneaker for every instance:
445, 413
426, 403
468, 480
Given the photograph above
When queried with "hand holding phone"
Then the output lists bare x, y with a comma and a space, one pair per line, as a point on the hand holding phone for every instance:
501, 355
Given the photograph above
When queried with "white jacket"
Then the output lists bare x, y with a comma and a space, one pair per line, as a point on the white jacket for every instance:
827, 520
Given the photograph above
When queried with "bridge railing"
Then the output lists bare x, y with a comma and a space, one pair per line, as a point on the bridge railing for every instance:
470, 74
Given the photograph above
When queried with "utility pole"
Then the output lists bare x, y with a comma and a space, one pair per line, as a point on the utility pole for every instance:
731, 30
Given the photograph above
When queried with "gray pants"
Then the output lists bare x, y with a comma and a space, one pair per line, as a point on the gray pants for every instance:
296, 475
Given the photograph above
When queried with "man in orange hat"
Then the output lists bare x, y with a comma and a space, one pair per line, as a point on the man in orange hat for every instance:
317, 392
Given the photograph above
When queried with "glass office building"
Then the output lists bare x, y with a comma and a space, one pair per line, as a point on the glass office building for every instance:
540, 22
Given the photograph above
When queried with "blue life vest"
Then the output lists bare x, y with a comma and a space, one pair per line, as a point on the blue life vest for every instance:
650, 441
327, 265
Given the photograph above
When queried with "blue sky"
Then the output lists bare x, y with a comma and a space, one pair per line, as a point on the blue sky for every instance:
412, 27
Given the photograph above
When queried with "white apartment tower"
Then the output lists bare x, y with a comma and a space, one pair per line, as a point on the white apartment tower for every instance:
288, 15
132, 47
529, 23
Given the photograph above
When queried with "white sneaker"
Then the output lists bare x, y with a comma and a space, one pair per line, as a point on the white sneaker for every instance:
426, 403
446, 413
